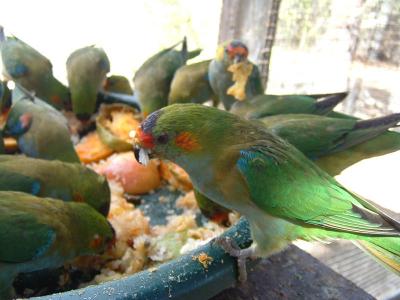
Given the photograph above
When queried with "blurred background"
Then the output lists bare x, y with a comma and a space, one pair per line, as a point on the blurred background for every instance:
301, 46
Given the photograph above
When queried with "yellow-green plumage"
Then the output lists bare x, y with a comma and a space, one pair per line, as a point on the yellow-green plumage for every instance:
284, 195
40, 233
33, 71
191, 84
56, 179
41, 131
270, 105
118, 84
87, 69
153, 79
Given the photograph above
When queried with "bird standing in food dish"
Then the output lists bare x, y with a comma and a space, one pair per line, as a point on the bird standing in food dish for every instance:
41, 233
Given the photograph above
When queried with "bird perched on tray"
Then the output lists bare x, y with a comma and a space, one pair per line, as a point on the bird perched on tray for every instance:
86, 69
285, 196
318, 137
153, 79
56, 179
26, 66
41, 233
232, 76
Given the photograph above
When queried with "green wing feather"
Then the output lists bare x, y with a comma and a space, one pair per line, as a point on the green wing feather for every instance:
22, 236
309, 196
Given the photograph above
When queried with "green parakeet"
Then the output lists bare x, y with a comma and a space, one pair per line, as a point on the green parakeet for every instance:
56, 179
153, 79
117, 84
41, 131
285, 196
86, 69
317, 136
33, 71
228, 54
41, 233
269, 105
191, 84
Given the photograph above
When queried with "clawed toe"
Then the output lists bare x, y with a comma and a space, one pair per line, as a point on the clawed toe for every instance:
231, 247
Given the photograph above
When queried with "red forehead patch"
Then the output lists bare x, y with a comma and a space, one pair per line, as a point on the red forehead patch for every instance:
237, 50
187, 141
145, 139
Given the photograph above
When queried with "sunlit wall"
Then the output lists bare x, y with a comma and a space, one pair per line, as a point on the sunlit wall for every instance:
129, 30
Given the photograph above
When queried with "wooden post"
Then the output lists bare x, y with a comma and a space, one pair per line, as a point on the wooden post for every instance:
254, 22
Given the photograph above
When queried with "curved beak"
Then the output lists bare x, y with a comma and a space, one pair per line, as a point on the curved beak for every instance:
142, 155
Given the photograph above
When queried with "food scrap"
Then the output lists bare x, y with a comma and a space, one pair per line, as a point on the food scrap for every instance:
204, 259
241, 72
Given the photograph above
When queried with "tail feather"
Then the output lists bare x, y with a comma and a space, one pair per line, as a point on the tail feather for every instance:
194, 53
327, 104
384, 250
365, 130
319, 96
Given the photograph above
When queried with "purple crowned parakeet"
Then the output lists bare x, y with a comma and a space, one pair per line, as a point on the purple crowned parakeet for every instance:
270, 105
41, 131
153, 79
230, 54
191, 84
42, 233
86, 69
117, 84
29, 68
284, 195
317, 136
55, 179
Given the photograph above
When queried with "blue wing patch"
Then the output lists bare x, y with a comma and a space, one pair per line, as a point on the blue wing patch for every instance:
18, 70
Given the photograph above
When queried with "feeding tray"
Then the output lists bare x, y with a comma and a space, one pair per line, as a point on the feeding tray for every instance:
198, 274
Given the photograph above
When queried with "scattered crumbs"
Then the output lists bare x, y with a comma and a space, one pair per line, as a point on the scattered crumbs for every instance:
187, 201
163, 199
204, 259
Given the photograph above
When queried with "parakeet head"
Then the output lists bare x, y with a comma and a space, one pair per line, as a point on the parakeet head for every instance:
117, 84
18, 121
187, 130
96, 233
232, 52
86, 69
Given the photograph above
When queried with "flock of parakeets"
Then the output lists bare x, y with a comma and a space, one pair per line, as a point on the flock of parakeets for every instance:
259, 159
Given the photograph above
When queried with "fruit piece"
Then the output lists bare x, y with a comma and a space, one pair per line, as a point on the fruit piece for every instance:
91, 148
240, 73
114, 124
134, 177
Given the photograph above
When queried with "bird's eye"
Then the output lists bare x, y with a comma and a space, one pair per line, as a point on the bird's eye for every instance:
162, 138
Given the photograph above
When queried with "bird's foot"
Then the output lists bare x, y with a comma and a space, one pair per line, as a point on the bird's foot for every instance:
231, 247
